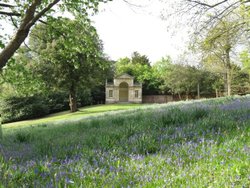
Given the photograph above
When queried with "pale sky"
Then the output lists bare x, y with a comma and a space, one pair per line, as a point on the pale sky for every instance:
125, 29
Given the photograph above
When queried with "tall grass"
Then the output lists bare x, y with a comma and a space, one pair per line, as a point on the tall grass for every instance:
187, 144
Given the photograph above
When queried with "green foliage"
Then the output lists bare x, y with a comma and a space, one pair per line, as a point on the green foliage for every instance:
14, 108
23, 15
1, 44
241, 81
137, 58
217, 49
19, 76
71, 57
84, 97
139, 67
66, 57
245, 59
1, 129
173, 145
20, 108
183, 79
57, 101
98, 95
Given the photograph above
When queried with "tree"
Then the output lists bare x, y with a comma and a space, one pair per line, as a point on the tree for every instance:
70, 55
181, 79
139, 67
203, 15
137, 58
245, 59
19, 78
162, 70
24, 14
241, 82
217, 49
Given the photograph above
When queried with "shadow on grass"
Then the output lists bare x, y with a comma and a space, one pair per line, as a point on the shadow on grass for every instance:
66, 115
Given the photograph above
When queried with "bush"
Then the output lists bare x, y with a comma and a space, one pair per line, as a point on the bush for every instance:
57, 102
15, 108
22, 108
98, 95
84, 97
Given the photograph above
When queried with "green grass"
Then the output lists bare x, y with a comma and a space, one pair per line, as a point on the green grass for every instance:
186, 144
67, 116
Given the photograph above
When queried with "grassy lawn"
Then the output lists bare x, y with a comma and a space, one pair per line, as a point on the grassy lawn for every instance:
186, 144
67, 116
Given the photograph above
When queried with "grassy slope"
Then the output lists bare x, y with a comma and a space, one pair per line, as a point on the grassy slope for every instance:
192, 144
67, 116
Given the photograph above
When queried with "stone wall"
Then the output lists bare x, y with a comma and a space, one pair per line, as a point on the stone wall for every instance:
157, 98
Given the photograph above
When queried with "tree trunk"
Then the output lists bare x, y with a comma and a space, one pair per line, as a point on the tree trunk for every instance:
224, 92
228, 73
198, 91
179, 96
216, 93
187, 98
1, 131
72, 99
228, 82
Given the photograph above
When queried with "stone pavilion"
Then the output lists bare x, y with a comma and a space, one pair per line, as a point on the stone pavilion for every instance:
123, 89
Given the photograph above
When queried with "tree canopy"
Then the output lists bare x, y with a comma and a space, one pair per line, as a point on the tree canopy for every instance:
63, 55
24, 14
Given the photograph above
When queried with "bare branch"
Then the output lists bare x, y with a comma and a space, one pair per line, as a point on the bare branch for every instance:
207, 5
131, 4
9, 13
13, 22
6, 5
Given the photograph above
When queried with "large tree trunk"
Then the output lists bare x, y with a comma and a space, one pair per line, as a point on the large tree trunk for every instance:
72, 99
11, 48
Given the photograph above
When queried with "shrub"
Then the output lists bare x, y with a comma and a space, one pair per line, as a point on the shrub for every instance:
84, 97
21, 108
57, 101
15, 108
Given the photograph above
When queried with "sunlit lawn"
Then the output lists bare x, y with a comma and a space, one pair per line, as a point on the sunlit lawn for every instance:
67, 116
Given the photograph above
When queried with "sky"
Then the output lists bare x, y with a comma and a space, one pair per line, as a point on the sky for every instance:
124, 29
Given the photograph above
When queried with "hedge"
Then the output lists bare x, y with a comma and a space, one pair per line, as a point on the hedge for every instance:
22, 108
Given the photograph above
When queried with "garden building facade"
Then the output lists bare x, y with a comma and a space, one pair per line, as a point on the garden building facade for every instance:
123, 89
